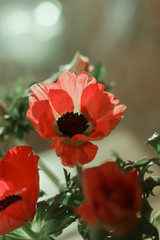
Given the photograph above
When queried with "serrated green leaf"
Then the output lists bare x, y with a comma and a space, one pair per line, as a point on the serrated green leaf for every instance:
42, 194
19, 106
118, 158
52, 217
149, 184
72, 199
149, 230
142, 162
147, 161
154, 141
53, 206
149, 171
67, 177
59, 223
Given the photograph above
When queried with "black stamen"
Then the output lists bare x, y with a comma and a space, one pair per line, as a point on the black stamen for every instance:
72, 123
4, 203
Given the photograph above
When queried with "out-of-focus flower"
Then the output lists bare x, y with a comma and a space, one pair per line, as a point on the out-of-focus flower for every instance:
113, 198
78, 65
72, 112
19, 188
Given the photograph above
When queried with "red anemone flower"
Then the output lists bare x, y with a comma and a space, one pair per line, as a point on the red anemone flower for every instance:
72, 112
113, 198
19, 188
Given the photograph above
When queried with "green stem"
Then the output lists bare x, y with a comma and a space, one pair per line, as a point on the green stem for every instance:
79, 173
31, 233
50, 174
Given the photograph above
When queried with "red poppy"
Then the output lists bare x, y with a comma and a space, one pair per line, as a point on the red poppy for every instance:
19, 188
113, 198
73, 111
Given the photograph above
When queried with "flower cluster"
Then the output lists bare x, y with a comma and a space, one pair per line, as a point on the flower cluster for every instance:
109, 201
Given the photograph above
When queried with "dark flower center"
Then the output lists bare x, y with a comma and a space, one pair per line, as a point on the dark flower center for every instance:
4, 203
72, 123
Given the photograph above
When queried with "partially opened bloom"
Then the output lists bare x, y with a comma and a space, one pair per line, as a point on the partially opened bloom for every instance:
74, 111
19, 188
78, 65
113, 198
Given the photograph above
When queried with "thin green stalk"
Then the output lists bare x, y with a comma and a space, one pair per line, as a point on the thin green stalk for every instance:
50, 174
79, 174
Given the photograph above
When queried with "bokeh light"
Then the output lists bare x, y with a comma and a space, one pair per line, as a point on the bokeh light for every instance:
47, 13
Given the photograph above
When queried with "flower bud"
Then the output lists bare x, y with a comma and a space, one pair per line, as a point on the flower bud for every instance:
78, 64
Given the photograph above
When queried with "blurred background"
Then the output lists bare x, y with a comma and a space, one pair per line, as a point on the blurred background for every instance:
37, 36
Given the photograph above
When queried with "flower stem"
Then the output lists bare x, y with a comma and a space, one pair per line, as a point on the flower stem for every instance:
50, 174
29, 232
79, 173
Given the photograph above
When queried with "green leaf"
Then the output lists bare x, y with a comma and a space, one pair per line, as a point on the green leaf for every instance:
143, 162
19, 106
133, 233
154, 141
149, 184
99, 233
149, 171
149, 230
123, 166
42, 193
15, 122
67, 177
52, 217
156, 219
99, 72
56, 234
84, 230
146, 210
3, 237
72, 199
147, 161
47, 208
18, 234
17, 91
119, 160
59, 223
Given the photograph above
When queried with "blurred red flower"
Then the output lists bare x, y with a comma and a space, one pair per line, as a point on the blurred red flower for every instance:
113, 198
19, 188
72, 112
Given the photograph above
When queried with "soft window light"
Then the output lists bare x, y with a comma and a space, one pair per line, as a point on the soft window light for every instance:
17, 22
47, 13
